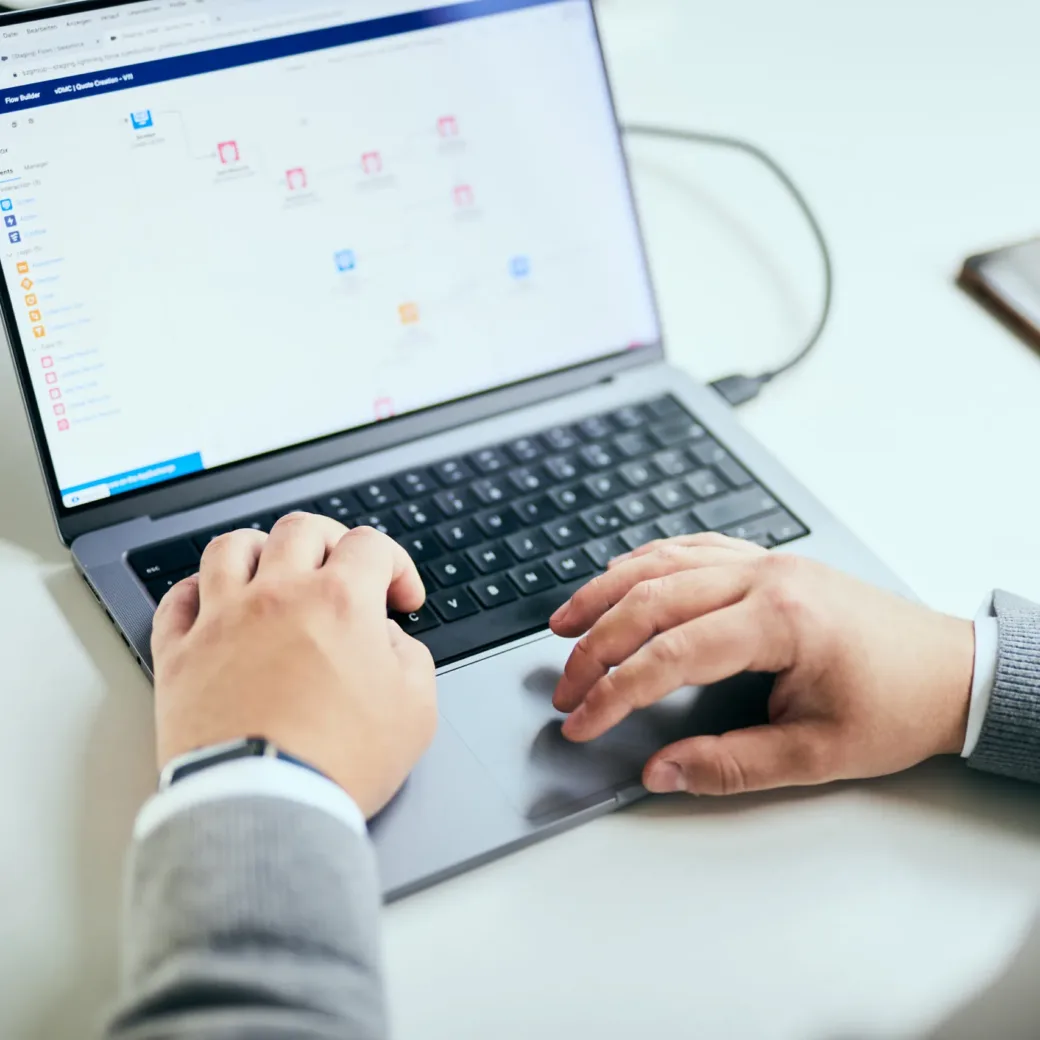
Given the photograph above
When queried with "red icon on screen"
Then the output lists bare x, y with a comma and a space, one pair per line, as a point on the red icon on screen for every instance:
372, 163
59, 409
448, 126
464, 197
51, 377
228, 152
47, 361
55, 394
63, 425
296, 179
384, 408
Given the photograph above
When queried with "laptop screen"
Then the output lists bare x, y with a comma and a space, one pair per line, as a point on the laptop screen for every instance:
235, 226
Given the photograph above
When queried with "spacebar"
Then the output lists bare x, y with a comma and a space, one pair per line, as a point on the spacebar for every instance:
495, 627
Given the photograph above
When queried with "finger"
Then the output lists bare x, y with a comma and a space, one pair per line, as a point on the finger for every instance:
601, 594
378, 571
649, 609
698, 653
709, 539
299, 542
763, 758
228, 563
415, 658
176, 614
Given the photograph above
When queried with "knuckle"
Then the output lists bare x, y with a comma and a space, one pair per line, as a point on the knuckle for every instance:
672, 649
647, 593
783, 584
266, 598
732, 779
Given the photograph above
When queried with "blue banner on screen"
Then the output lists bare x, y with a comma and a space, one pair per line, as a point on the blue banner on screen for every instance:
127, 77
138, 478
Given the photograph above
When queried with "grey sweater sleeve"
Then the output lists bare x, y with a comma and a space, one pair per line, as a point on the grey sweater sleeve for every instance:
1010, 740
252, 917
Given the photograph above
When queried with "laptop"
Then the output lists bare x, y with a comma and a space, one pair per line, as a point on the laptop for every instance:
379, 260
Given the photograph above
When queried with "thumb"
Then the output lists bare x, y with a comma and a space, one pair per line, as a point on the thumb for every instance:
758, 759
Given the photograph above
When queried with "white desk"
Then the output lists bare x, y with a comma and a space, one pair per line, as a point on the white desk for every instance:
870, 910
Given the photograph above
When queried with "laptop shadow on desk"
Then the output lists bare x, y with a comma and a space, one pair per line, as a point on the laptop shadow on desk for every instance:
116, 774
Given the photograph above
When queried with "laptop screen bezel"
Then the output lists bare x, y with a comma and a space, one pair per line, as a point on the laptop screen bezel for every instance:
249, 474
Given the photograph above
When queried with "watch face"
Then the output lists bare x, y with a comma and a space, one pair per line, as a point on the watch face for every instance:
206, 758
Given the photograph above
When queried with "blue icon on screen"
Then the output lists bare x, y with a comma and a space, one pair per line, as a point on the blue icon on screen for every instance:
6, 205
10, 221
346, 260
14, 237
142, 120
520, 266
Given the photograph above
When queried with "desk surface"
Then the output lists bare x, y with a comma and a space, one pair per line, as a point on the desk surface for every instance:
858, 911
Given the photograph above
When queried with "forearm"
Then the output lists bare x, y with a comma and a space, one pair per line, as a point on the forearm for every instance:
252, 917
1009, 742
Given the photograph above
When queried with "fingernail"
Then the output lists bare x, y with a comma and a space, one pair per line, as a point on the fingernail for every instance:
666, 778
561, 613
575, 720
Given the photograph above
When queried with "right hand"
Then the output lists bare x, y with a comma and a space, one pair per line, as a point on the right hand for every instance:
285, 636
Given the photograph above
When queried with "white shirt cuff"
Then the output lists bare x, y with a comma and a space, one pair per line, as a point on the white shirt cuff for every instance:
245, 778
987, 646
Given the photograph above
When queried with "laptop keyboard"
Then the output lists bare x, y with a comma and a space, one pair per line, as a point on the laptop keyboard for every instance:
503, 536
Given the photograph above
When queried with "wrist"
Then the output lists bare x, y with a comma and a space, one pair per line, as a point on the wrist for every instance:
201, 759
956, 668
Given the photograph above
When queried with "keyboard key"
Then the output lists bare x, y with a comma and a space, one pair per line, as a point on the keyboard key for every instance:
459, 535
708, 452
734, 508
637, 507
263, 522
704, 484
492, 490
532, 578
679, 524
565, 533
530, 545
596, 428
595, 456
527, 480
377, 495
665, 408
453, 503
490, 558
672, 463
454, 604
572, 499
203, 538
160, 586
421, 620
490, 460
494, 592
634, 537
603, 520
568, 566
734, 472
452, 472
536, 510
386, 523
632, 445
340, 506
629, 418
451, 572
603, 550
160, 560
561, 438
678, 432
422, 547
773, 529
563, 467
671, 496
637, 474
495, 523
415, 482
526, 449
416, 515
605, 485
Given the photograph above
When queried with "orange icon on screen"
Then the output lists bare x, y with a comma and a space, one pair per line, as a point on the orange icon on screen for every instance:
30, 300
27, 284
39, 332
409, 313
35, 316
23, 267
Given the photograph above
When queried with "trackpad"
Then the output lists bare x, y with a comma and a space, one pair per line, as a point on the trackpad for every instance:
502, 709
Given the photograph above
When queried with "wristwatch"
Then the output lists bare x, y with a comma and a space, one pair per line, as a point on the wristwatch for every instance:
205, 758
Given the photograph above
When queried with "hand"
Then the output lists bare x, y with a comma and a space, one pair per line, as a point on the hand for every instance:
867, 683
286, 637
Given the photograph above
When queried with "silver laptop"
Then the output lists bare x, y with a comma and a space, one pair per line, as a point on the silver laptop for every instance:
377, 259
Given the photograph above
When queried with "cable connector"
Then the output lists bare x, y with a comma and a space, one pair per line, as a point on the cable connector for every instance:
738, 390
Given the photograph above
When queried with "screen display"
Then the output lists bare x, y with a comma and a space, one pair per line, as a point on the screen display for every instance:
235, 226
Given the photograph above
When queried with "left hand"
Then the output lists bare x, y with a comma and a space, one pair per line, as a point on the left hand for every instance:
867, 683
